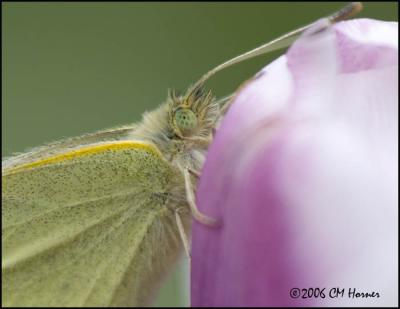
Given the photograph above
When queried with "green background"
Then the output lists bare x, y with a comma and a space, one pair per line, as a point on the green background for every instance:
74, 68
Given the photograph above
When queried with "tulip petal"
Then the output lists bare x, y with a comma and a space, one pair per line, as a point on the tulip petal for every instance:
303, 175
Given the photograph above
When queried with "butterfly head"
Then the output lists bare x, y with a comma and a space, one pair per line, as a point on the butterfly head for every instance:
194, 114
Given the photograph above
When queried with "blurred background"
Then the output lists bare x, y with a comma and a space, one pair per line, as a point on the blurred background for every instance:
75, 68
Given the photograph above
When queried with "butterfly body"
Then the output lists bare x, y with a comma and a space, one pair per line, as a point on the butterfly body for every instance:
130, 180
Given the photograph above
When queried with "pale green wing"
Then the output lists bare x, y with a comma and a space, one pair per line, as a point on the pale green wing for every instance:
88, 227
60, 146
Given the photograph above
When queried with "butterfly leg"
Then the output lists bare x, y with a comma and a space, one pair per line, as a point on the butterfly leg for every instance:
194, 172
225, 103
182, 234
197, 215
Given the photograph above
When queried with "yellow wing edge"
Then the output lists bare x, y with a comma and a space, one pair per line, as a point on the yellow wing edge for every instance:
84, 151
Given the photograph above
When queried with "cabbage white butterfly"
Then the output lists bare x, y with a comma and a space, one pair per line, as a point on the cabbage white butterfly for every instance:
97, 219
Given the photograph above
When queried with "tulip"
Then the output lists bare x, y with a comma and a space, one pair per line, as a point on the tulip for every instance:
302, 175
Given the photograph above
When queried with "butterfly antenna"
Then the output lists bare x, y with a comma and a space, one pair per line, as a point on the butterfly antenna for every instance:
281, 42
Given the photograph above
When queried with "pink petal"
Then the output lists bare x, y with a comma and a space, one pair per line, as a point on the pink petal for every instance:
303, 175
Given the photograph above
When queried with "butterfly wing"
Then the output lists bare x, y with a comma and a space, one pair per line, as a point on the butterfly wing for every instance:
61, 146
88, 227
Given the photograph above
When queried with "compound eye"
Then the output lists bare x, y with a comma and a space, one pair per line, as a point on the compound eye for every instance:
186, 121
